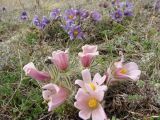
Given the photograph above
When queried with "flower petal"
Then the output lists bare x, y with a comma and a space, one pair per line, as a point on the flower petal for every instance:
85, 114
99, 114
86, 75
131, 66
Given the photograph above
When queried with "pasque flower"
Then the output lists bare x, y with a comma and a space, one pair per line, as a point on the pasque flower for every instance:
89, 105
24, 15
87, 84
117, 15
96, 16
88, 55
40, 24
75, 32
70, 15
54, 95
36, 21
120, 71
60, 59
31, 71
55, 14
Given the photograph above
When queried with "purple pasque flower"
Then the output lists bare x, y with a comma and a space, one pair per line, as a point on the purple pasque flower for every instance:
70, 15
96, 16
24, 15
117, 15
3, 9
84, 14
129, 5
36, 21
128, 12
55, 14
68, 25
75, 32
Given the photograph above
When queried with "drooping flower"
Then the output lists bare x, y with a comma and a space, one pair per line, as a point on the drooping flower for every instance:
31, 71
75, 32
84, 14
89, 105
117, 15
45, 21
24, 15
95, 85
70, 15
120, 71
60, 59
88, 55
36, 21
3, 9
54, 95
96, 16
55, 14
128, 12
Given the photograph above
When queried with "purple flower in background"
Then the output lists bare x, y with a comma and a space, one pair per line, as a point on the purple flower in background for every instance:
129, 5
128, 12
96, 16
24, 15
40, 24
70, 15
45, 20
68, 25
117, 15
75, 32
84, 14
36, 21
55, 14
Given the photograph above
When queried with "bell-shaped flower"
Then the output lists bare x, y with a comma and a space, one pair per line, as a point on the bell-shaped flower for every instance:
88, 55
90, 105
54, 95
31, 71
60, 59
95, 85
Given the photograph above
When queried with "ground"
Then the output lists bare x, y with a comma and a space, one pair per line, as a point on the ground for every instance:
20, 43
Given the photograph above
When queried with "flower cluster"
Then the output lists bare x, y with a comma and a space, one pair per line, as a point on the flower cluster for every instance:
40, 24
89, 96
74, 18
121, 10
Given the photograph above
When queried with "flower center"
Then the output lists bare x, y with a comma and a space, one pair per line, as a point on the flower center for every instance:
117, 15
75, 32
71, 16
93, 87
92, 103
123, 71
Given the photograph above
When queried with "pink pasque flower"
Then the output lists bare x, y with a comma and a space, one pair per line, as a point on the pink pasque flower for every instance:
60, 59
87, 84
88, 54
89, 105
54, 95
119, 71
31, 71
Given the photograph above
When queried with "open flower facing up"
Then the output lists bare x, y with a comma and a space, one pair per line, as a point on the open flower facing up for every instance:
117, 15
96, 16
54, 95
24, 15
120, 71
88, 55
89, 105
95, 85
31, 71
60, 59
55, 14
75, 32
70, 15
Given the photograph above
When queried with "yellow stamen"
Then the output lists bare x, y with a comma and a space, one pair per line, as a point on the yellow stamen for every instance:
93, 87
75, 32
123, 71
92, 103
71, 16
